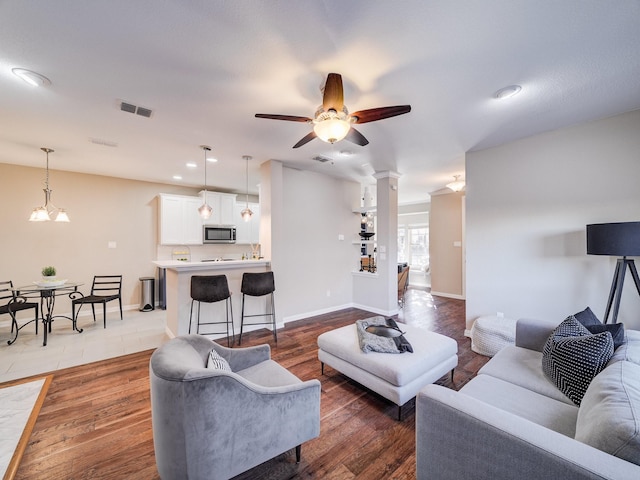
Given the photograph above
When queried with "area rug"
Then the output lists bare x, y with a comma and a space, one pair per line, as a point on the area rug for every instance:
20, 403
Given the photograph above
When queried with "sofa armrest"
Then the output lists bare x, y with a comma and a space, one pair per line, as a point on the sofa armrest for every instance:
533, 334
458, 437
241, 358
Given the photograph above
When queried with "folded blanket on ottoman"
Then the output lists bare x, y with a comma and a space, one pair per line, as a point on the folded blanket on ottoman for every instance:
370, 342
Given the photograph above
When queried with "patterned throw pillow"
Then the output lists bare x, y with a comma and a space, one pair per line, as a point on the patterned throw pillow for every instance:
572, 357
216, 361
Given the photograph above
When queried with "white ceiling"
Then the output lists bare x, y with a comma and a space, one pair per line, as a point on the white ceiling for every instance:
206, 67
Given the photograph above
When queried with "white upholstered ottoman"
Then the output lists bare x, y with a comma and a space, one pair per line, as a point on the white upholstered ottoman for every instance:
490, 334
397, 377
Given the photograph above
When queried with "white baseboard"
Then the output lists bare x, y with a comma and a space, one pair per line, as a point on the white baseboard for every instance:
447, 295
386, 313
467, 333
323, 311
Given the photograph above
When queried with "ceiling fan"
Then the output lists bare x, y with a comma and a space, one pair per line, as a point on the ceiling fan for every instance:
332, 121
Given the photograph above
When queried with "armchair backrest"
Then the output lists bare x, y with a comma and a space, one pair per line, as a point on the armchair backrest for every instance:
214, 424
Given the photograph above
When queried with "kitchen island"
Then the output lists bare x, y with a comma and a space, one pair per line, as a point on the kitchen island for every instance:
178, 296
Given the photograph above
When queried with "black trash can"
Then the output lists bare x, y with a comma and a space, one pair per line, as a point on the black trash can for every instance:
147, 294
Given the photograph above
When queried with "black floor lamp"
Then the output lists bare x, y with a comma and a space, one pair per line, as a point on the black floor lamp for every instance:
620, 240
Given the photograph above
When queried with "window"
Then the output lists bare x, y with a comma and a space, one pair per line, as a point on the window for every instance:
413, 246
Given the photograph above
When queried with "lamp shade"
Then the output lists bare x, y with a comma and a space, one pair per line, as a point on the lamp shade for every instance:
615, 239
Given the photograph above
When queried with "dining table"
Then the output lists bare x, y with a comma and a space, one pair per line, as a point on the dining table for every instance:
48, 292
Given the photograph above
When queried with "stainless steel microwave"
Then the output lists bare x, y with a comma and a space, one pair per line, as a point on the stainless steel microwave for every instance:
219, 234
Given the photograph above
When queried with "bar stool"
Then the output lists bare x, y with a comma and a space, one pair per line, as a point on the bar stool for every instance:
258, 285
211, 289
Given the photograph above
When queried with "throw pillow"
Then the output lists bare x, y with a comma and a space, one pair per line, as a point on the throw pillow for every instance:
572, 357
217, 362
370, 342
615, 329
587, 317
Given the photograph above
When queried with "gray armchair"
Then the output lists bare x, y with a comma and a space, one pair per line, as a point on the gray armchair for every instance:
215, 424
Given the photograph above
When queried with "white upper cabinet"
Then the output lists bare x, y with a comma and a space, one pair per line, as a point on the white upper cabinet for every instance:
247, 232
180, 222
223, 206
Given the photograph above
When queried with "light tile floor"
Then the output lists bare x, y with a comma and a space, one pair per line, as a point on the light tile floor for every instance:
137, 331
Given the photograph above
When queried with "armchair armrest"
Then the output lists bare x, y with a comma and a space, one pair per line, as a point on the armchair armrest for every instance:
458, 436
533, 334
241, 358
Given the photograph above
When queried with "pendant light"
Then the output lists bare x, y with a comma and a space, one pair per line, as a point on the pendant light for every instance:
247, 213
48, 210
205, 210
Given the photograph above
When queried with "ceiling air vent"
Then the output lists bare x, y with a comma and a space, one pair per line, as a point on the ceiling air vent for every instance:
320, 159
131, 108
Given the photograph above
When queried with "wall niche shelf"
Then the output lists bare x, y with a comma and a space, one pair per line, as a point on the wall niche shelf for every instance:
362, 210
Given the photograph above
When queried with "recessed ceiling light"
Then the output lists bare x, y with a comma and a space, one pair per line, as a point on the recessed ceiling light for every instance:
192, 164
507, 92
32, 78
212, 160
177, 177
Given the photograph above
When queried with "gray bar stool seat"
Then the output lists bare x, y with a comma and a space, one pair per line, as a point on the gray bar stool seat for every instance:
258, 285
212, 289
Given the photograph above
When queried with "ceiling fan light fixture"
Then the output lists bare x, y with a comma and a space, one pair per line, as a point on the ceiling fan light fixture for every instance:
331, 126
457, 184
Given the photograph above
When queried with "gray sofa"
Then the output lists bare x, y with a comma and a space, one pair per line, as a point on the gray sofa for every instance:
210, 423
511, 422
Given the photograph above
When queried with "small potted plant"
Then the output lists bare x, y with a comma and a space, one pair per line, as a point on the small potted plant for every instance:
49, 274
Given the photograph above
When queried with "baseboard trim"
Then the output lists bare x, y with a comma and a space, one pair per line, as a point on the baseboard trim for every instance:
448, 295
314, 313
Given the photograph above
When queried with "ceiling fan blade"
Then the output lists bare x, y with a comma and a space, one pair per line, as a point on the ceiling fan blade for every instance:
306, 139
354, 136
290, 118
333, 97
374, 114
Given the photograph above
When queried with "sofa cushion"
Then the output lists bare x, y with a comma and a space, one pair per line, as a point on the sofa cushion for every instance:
572, 357
523, 367
630, 350
217, 362
547, 412
609, 416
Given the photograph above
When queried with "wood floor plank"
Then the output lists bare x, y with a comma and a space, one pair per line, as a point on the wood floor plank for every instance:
95, 422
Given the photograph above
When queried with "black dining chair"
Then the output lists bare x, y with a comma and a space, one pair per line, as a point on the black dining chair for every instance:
212, 289
258, 285
105, 288
15, 304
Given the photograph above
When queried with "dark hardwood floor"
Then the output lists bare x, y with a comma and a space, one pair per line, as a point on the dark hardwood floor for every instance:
95, 422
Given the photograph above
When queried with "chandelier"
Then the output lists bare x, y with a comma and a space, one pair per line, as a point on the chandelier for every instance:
48, 210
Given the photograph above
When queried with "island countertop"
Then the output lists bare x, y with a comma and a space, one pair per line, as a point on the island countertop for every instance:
178, 287
209, 265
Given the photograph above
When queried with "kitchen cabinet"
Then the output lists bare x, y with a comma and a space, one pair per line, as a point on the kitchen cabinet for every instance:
180, 222
247, 232
223, 205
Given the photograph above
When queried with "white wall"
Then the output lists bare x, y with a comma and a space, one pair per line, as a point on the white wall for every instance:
312, 267
527, 206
